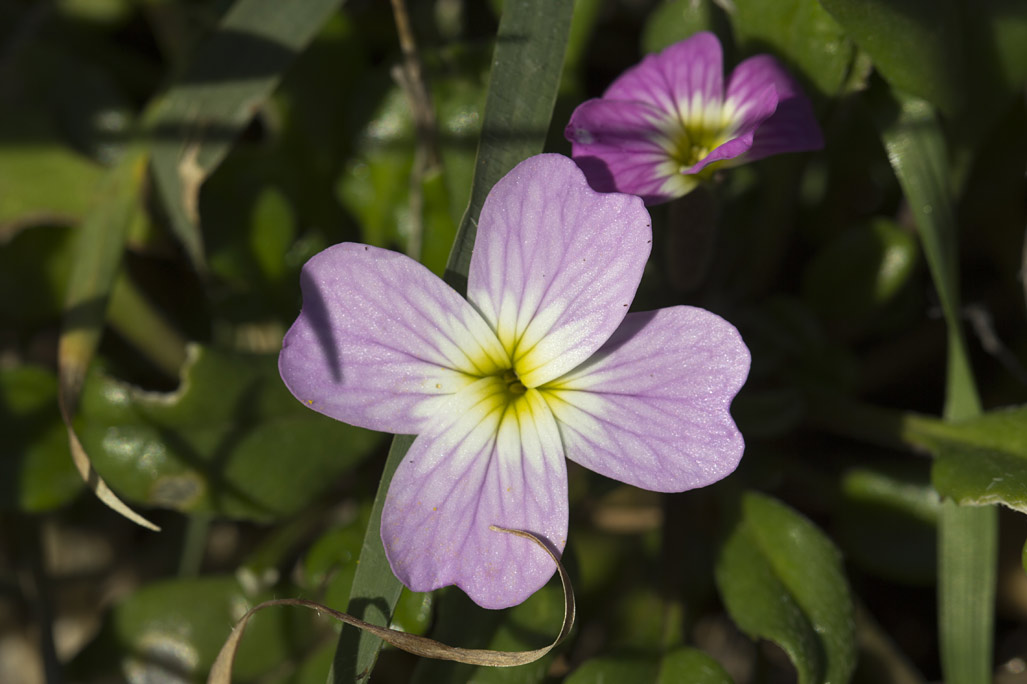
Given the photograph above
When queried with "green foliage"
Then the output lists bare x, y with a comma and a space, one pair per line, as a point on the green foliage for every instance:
781, 579
166, 168
175, 628
231, 440
802, 33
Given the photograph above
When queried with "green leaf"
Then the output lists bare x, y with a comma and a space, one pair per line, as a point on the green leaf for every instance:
802, 33
693, 666
195, 124
173, 630
675, 20
915, 44
982, 460
527, 63
680, 665
781, 579
616, 668
36, 473
231, 440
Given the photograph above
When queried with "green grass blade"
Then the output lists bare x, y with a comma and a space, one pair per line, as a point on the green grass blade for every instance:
526, 68
231, 73
967, 536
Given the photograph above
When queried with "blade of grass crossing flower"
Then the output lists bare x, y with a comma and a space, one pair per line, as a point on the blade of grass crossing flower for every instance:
530, 48
101, 241
526, 67
375, 589
967, 536
195, 125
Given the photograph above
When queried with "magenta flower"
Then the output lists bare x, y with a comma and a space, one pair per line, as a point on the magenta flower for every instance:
542, 361
667, 123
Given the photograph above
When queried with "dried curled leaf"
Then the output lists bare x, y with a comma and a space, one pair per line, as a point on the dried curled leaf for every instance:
221, 672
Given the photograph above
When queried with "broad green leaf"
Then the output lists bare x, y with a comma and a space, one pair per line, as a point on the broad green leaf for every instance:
36, 473
460, 622
675, 20
693, 666
983, 460
860, 271
800, 32
231, 73
915, 44
523, 83
171, 631
43, 180
781, 579
231, 440
638, 669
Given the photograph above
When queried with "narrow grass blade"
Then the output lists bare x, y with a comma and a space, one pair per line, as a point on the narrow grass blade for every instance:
526, 68
967, 536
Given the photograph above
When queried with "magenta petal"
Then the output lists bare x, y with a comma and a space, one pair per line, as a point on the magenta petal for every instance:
652, 407
678, 74
618, 146
381, 339
555, 265
792, 127
479, 465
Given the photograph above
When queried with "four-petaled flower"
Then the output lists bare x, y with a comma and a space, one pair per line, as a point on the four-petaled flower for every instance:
666, 123
542, 361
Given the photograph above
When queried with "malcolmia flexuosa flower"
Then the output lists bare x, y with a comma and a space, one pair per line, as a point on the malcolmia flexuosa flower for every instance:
667, 123
540, 363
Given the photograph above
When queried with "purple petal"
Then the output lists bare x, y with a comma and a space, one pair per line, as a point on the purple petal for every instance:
380, 340
683, 72
791, 127
652, 407
555, 265
621, 148
485, 463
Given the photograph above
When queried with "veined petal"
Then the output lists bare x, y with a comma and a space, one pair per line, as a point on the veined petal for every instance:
486, 462
686, 78
555, 265
380, 338
651, 408
626, 147
792, 126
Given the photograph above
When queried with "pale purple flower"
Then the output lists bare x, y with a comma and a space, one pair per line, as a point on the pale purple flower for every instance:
667, 122
542, 361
